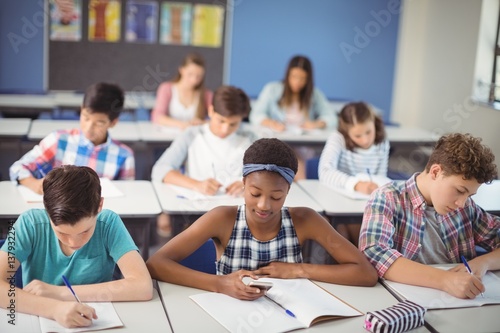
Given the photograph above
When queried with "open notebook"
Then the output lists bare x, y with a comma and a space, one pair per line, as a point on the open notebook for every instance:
108, 318
108, 190
306, 300
436, 299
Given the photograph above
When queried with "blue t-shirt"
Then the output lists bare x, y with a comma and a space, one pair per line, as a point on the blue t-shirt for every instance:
37, 249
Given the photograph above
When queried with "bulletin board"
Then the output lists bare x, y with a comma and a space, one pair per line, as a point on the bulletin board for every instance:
136, 44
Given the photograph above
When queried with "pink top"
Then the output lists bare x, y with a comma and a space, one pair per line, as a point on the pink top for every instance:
163, 97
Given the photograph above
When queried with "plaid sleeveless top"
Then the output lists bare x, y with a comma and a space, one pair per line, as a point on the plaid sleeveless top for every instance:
243, 251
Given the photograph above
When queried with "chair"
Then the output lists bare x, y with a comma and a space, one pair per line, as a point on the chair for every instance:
312, 168
18, 277
203, 259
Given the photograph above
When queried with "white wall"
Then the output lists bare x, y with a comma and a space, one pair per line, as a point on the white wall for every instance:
435, 70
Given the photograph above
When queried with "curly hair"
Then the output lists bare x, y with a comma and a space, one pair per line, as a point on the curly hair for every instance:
271, 151
71, 193
463, 154
359, 113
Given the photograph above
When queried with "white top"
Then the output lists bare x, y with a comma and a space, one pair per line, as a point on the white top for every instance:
14, 127
339, 167
204, 155
177, 110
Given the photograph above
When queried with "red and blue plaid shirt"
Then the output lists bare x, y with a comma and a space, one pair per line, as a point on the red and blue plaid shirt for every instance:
111, 159
394, 224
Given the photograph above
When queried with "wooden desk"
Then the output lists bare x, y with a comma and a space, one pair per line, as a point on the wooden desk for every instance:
125, 131
138, 207
136, 317
182, 311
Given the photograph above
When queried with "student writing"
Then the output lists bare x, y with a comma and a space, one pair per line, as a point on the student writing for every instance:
432, 219
74, 237
294, 103
184, 101
261, 237
359, 144
90, 145
211, 154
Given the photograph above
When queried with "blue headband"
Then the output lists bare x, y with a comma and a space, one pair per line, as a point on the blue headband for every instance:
285, 172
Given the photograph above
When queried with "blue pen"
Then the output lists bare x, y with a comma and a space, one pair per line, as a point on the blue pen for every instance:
369, 174
66, 282
288, 312
466, 264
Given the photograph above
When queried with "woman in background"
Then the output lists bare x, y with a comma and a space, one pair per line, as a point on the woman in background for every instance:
294, 104
183, 101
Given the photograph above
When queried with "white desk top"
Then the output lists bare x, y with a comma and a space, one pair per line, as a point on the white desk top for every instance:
150, 132
139, 200
171, 204
14, 127
186, 316
136, 317
488, 196
40, 128
333, 203
27, 101
403, 134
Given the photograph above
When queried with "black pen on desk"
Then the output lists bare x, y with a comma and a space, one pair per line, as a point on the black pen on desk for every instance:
288, 312
467, 267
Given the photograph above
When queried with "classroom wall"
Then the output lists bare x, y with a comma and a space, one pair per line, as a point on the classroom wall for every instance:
351, 43
434, 75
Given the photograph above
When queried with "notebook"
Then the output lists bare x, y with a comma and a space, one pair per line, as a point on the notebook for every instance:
309, 302
379, 180
108, 318
437, 299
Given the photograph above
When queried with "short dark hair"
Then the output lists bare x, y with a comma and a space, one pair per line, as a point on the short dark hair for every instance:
463, 154
105, 98
231, 101
271, 151
71, 193
359, 113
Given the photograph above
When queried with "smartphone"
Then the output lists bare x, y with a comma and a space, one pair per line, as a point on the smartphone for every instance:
260, 284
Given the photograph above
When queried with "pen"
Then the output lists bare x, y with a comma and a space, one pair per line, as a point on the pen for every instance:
66, 282
288, 312
369, 174
466, 264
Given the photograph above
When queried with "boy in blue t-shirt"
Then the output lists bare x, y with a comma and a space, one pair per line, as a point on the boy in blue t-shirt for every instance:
73, 237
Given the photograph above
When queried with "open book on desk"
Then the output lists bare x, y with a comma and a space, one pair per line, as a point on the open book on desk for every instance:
107, 318
309, 302
437, 299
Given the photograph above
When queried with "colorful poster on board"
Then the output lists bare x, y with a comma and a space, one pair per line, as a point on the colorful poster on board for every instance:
142, 21
175, 23
65, 20
104, 20
208, 23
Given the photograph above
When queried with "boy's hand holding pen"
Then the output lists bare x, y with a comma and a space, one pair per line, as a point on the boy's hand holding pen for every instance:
84, 310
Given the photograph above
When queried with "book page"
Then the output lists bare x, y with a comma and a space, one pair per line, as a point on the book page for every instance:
107, 318
302, 297
185, 193
17, 322
379, 180
437, 299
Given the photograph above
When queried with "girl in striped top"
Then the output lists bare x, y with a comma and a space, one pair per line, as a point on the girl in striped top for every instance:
352, 154
261, 237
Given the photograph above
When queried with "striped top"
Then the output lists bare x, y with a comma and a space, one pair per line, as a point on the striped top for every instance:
339, 166
243, 251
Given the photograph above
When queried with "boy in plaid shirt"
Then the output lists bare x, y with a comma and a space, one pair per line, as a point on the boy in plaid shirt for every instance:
90, 145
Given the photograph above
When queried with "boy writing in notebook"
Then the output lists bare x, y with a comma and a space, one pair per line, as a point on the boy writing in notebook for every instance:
432, 219
90, 145
73, 237
261, 237
211, 154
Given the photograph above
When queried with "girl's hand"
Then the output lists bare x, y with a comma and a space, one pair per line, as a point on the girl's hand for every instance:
209, 186
365, 187
274, 125
232, 285
235, 189
281, 270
